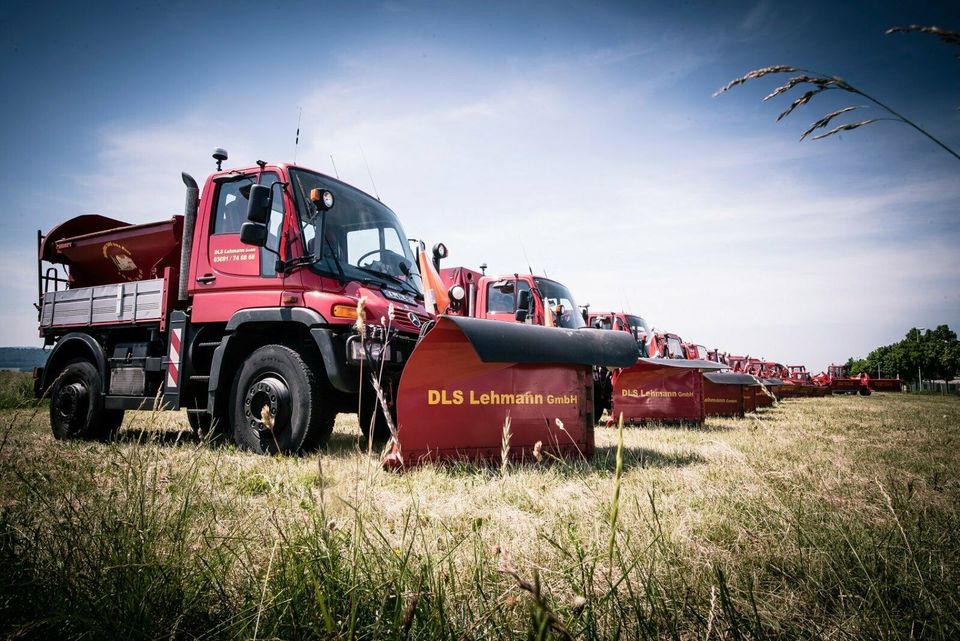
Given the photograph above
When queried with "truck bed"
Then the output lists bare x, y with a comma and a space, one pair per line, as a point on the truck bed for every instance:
126, 303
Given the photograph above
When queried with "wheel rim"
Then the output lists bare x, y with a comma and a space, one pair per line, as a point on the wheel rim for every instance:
72, 402
268, 392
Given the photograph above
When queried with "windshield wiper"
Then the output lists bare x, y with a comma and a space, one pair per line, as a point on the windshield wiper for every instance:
391, 277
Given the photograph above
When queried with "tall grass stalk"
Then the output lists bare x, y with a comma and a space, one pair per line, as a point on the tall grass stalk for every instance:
615, 502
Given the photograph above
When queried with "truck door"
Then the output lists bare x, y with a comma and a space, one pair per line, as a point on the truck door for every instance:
230, 275
501, 300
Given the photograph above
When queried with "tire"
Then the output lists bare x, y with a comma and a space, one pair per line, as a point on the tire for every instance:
370, 411
200, 423
602, 393
76, 404
112, 420
278, 379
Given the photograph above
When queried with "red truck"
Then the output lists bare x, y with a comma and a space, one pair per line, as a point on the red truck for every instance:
225, 314
636, 325
266, 309
523, 298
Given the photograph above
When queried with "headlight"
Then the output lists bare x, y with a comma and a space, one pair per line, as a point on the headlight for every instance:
357, 352
456, 293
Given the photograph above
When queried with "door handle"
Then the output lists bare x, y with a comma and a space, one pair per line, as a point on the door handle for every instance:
206, 279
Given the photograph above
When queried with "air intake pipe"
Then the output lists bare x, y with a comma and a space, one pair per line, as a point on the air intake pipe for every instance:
189, 223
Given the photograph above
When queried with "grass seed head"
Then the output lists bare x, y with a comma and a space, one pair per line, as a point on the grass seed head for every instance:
752, 75
361, 307
846, 127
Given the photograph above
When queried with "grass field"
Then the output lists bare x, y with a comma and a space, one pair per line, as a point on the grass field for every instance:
819, 518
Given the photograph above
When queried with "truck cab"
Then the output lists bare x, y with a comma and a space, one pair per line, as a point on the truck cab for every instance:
623, 322
673, 346
522, 298
798, 374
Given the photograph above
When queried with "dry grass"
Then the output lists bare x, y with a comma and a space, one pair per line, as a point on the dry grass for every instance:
830, 517
815, 83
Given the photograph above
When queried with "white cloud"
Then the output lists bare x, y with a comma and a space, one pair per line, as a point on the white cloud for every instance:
727, 241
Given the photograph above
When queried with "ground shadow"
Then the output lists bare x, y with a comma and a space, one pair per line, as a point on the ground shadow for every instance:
340, 445
165, 437
710, 425
605, 458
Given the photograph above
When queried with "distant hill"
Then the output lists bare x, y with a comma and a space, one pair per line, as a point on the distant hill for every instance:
22, 358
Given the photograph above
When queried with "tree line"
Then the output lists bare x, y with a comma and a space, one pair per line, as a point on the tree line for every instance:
935, 352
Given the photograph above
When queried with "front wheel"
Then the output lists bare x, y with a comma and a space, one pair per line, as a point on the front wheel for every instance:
276, 404
76, 404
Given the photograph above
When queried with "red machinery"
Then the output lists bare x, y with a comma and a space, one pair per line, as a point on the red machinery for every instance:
666, 386
799, 383
696, 352
837, 380
717, 356
661, 389
647, 340
267, 309
729, 393
673, 346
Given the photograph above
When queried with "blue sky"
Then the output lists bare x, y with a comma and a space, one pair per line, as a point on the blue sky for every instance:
583, 135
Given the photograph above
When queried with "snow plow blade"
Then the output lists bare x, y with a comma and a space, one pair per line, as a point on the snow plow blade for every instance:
661, 389
729, 393
468, 376
802, 390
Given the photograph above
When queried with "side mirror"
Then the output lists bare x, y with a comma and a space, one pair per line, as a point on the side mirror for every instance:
258, 207
253, 234
523, 306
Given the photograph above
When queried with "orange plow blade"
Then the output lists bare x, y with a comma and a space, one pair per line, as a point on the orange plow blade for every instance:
482, 389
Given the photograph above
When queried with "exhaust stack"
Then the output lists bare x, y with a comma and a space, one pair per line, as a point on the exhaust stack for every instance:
189, 222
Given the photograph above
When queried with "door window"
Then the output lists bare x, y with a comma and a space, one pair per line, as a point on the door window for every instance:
227, 253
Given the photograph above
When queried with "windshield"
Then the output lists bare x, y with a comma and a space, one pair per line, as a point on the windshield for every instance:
674, 347
638, 325
360, 233
554, 294
601, 322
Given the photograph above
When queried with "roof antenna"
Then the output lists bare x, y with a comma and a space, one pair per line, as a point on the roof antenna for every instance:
334, 167
369, 173
524, 250
296, 142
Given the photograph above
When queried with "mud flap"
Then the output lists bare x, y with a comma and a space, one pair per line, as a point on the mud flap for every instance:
468, 376
728, 393
661, 389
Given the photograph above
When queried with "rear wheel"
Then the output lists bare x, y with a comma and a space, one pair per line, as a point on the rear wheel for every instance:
76, 404
276, 404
